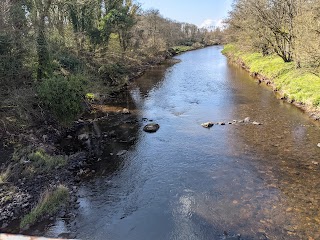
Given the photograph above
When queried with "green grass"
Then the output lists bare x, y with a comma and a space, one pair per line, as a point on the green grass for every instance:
43, 162
181, 49
49, 204
296, 84
5, 175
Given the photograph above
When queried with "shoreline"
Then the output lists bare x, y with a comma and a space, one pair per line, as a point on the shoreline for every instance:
28, 190
308, 109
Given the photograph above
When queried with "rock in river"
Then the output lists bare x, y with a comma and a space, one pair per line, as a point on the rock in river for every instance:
247, 120
125, 111
207, 124
122, 152
151, 127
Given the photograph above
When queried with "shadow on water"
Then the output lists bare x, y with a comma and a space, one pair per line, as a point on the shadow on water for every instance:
187, 182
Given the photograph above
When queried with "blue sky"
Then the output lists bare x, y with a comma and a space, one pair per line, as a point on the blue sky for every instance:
203, 13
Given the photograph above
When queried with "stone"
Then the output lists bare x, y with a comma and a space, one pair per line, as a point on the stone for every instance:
256, 123
221, 123
122, 152
64, 235
151, 127
83, 137
247, 120
125, 111
207, 124
318, 145
45, 138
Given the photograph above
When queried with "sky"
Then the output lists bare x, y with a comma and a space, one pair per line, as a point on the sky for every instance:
203, 13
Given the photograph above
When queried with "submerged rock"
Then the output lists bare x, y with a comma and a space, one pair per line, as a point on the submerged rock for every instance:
247, 120
207, 124
122, 152
151, 127
125, 111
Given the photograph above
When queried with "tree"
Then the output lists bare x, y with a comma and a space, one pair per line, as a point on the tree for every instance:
13, 42
120, 20
272, 22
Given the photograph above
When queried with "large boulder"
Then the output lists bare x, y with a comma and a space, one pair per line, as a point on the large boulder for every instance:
151, 127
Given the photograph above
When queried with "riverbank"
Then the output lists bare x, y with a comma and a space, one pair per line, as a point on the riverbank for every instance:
39, 181
297, 86
260, 181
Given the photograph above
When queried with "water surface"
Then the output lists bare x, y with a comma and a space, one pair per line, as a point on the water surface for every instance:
188, 182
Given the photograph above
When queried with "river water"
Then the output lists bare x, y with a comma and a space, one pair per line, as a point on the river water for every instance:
188, 182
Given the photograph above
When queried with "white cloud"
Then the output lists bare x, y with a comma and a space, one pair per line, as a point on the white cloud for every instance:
211, 23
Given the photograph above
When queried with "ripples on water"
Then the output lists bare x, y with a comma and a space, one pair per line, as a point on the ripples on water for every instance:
187, 182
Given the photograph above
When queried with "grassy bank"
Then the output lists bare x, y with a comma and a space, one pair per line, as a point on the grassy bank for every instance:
49, 204
296, 85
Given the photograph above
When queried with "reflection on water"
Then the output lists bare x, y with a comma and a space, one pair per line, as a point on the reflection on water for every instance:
187, 182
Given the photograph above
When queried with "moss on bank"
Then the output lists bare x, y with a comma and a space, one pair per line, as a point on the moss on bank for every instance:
295, 84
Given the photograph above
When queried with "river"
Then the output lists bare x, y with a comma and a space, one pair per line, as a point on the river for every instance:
189, 182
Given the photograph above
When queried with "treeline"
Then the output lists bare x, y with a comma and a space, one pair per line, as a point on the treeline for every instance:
53, 51
288, 28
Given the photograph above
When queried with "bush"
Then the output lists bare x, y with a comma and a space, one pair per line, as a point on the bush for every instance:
69, 62
62, 96
114, 73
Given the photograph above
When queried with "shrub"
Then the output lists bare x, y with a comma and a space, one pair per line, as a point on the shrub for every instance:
70, 62
114, 73
62, 96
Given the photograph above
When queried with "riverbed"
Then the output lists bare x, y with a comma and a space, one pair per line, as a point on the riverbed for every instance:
189, 182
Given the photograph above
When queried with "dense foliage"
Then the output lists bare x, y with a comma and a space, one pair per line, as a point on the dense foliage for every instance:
43, 43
